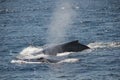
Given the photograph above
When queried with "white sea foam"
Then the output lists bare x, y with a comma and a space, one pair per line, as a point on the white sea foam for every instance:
104, 44
24, 62
64, 54
69, 60
31, 52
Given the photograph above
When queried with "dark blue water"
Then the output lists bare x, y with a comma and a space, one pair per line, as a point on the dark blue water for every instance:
26, 22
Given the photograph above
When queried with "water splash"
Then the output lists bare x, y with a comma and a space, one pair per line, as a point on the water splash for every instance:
104, 44
69, 60
31, 52
60, 23
64, 54
24, 62
34, 53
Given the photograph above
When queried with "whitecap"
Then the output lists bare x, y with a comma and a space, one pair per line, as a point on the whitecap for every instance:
69, 60
64, 54
24, 62
104, 44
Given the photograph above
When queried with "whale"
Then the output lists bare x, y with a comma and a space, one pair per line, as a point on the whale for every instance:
54, 50
73, 46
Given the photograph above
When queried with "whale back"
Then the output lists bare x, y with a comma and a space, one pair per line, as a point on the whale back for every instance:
73, 46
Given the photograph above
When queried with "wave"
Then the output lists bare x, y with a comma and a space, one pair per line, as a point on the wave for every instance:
31, 53
24, 62
69, 60
104, 44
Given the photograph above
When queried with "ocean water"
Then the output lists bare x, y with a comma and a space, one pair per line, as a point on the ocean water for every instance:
38, 23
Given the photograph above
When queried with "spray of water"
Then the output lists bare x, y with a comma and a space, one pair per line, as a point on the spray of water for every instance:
104, 45
60, 23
